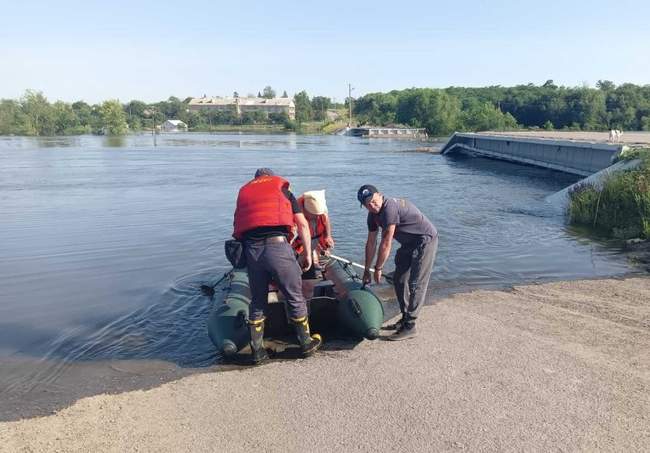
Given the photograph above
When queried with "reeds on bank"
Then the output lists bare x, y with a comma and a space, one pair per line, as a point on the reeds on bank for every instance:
620, 206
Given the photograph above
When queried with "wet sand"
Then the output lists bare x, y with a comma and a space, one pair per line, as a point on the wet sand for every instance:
558, 366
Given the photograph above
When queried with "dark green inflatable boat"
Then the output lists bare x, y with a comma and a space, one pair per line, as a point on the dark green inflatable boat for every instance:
339, 301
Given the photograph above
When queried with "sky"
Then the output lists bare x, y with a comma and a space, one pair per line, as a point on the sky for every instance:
93, 51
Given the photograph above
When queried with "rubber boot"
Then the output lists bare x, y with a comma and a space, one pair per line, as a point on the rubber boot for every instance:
308, 343
258, 352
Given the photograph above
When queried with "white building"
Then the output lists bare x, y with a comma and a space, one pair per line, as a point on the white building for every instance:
241, 105
174, 126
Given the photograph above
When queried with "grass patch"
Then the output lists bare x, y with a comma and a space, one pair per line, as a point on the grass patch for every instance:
621, 208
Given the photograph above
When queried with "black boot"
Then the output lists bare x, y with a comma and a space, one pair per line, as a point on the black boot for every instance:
397, 325
406, 331
258, 352
308, 343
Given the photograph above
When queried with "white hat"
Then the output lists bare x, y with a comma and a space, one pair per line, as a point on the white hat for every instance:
315, 202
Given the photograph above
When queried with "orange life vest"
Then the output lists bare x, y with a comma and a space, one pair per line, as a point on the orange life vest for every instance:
317, 229
261, 203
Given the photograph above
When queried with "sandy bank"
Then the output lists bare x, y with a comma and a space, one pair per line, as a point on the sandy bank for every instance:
560, 366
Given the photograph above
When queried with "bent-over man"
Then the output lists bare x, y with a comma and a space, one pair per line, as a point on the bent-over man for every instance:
265, 214
401, 220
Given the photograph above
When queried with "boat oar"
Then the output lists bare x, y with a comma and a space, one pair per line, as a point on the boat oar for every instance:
209, 290
388, 278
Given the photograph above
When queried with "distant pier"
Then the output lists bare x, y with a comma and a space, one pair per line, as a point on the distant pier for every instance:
575, 157
387, 132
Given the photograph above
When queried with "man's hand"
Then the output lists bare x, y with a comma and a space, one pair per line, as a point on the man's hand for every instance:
366, 276
329, 242
306, 262
377, 275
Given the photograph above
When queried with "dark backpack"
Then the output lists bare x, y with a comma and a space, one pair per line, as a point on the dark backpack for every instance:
235, 253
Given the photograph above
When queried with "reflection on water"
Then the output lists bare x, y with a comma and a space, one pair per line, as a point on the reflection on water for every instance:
104, 250
114, 141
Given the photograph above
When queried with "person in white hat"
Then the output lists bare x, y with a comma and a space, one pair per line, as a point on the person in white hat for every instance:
314, 207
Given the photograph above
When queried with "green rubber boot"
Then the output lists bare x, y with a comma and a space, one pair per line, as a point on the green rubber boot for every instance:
308, 343
258, 352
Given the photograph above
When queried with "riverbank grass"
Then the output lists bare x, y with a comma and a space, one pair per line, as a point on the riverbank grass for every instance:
621, 207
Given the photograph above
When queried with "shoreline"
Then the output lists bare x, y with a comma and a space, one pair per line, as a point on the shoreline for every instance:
112, 377
560, 365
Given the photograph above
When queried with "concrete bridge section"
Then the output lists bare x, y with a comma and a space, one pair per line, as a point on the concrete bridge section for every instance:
579, 158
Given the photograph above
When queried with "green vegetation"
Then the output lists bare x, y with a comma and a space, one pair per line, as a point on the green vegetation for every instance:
113, 118
440, 111
34, 115
621, 207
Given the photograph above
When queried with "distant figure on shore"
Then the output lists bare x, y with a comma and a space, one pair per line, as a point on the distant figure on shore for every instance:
615, 135
400, 219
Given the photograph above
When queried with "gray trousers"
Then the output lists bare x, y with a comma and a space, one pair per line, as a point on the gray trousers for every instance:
275, 261
413, 266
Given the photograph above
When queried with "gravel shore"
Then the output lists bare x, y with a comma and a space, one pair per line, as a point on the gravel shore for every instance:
559, 366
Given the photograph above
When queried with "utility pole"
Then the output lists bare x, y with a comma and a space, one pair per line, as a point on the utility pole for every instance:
350, 104
153, 131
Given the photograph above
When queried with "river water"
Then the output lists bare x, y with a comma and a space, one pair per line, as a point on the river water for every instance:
104, 243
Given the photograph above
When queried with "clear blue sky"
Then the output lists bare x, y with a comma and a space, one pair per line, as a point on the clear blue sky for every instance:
149, 50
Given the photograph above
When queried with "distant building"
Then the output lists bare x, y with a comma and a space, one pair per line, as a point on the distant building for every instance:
332, 114
174, 126
242, 105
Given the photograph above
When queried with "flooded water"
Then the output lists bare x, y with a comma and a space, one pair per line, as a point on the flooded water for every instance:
104, 244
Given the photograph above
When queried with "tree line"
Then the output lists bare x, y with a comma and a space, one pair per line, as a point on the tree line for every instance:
34, 115
441, 111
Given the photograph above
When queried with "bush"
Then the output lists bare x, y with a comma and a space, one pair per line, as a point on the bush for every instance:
620, 209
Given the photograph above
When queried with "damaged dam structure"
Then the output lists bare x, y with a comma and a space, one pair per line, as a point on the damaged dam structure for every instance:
569, 156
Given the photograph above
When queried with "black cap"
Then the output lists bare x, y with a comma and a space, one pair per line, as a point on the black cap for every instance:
366, 191
264, 171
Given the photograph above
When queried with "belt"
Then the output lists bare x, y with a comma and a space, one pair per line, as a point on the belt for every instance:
269, 240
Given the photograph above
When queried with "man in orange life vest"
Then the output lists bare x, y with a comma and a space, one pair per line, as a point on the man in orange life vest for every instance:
314, 207
266, 211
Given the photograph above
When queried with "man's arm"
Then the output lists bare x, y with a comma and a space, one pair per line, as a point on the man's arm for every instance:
305, 237
384, 250
371, 247
329, 240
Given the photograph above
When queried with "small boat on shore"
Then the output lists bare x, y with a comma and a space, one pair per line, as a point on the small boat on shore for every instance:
337, 301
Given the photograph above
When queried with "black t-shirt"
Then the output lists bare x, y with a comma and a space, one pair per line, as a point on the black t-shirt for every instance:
257, 234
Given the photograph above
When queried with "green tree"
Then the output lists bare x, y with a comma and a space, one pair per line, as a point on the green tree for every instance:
66, 121
284, 94
303, 107
39, 112
13, 120
319, 105
605, 85
645, 123
586, 109
113, 118
486, 117
434, 110
268, 93
549, 84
